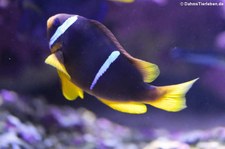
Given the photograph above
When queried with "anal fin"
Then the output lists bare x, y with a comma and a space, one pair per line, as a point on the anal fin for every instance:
126, 107
69, 89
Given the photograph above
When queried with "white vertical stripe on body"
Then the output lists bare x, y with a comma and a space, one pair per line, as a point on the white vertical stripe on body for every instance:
62, 28
112, 57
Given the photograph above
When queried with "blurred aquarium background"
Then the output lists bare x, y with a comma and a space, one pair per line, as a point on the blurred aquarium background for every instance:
186, 42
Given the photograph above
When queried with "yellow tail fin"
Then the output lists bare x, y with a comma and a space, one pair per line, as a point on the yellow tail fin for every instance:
173, 98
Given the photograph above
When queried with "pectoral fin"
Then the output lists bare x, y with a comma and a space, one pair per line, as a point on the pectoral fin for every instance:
126, 107
69, 89
54, 61
148, 70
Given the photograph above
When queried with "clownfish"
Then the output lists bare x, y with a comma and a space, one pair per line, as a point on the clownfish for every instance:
89, 58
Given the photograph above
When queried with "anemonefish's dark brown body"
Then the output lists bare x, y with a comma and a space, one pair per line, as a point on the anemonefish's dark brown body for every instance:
96, 63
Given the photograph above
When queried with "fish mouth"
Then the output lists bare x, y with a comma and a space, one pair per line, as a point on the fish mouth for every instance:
56, 47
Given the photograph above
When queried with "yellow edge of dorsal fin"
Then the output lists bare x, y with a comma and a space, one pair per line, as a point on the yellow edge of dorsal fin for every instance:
69, 89
148, 70
173, 98
55, 62
126, 107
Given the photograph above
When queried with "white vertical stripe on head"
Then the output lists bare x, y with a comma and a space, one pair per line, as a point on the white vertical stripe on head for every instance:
112, 57
61, 29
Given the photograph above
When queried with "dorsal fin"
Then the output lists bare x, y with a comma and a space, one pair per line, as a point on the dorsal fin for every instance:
148, 70
108, 33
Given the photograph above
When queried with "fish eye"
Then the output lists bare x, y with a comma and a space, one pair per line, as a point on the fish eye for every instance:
56, 22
